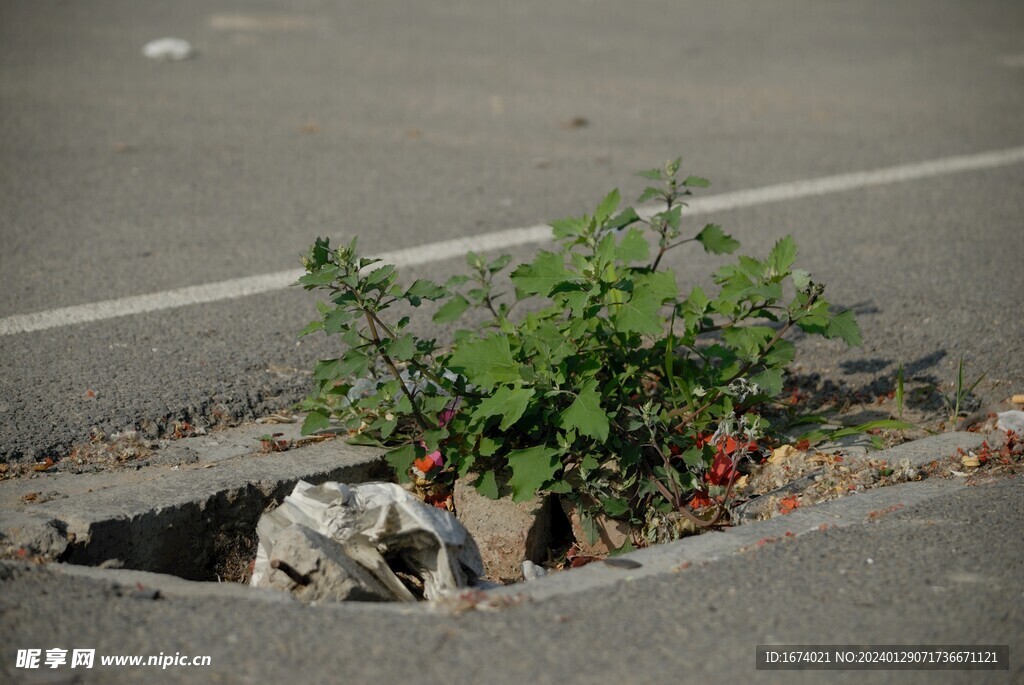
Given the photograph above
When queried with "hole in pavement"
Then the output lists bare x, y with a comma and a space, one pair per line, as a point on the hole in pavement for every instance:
210, 540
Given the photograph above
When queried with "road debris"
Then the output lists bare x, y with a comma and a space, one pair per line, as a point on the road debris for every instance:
168, 50
532, 571
405, 547
1011, 421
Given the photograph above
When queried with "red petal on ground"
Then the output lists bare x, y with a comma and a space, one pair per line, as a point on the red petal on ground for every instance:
788, 504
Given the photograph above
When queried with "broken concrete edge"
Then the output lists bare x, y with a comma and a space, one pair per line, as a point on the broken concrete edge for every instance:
672, 558
676, 557
163, 586
169, 524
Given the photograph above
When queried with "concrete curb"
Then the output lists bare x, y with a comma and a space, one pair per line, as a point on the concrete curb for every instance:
183, 522
177, 521
703, 549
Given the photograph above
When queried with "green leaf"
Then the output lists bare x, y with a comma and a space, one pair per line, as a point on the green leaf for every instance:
499, 263
324, 276
585, 413
311, 327
327, 370
649, 192
488, 446
451, 310
780, 354
432, 438
401, 459
568, 227
661, 284
487, 485
508, 403
818, 435
770, 382
624, 218
693, 457
545, 272
608, 205
748, 340
363, 439
336, 320
633, 247
696, 182
651, 174
801, 279
589, 464
354, 363
899, 391
315, 421
423, 289
560, 487
782, 256
320, 253
380, 274
716, 241
486, 362
402, 348
640, 314
844, 327
386, 426
615, 507
531, 468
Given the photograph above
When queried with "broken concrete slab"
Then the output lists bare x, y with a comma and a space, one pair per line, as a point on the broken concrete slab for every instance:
506, 532
25, 536
314, 568
166, 585
188, 521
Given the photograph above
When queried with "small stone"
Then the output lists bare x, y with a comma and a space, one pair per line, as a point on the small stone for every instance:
532, 571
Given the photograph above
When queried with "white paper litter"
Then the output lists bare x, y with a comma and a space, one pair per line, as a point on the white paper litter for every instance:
1011, 421
168, 49
375, 522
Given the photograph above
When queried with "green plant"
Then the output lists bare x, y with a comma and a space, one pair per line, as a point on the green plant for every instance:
960, 393
899, 392
611, 388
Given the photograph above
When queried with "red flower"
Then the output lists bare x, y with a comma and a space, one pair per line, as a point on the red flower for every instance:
700, 500
723, 470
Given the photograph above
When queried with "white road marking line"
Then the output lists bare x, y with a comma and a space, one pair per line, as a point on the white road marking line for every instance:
499, 240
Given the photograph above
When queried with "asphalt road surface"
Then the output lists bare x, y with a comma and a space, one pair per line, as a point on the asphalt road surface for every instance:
412, 123
943, 572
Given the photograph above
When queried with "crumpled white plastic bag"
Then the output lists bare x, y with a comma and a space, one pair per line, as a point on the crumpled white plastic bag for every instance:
373, 521
1011, 421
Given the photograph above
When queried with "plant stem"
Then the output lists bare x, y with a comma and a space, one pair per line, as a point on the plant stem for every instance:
746, 367
419, 367
420, 419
